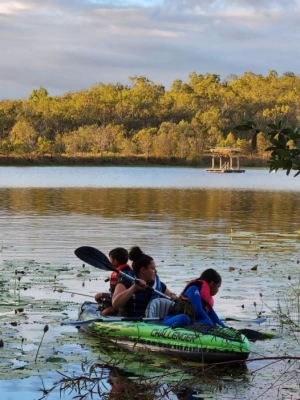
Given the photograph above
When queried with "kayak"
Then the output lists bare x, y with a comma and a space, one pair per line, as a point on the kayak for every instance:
202, 342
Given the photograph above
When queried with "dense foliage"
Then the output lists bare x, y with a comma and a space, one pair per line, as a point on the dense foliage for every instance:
144, 119
285, 144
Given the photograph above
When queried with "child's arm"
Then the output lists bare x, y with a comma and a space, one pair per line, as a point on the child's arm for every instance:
214, 317
194, 296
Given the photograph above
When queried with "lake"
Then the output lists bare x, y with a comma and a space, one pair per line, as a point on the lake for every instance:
186, 218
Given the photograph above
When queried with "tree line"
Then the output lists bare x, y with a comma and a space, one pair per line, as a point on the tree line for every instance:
143, 119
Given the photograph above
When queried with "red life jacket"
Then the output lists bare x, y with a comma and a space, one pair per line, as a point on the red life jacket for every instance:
204, 289
114, 276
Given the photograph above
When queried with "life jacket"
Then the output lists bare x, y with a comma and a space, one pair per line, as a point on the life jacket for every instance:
204, 289
183, 306
137, 304
114, 276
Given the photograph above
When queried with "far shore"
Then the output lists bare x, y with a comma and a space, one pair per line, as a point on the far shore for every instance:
78, 160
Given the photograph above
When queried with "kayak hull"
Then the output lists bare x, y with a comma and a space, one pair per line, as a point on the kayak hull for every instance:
207, 344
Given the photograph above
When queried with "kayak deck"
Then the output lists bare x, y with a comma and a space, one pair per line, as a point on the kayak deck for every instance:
201, 342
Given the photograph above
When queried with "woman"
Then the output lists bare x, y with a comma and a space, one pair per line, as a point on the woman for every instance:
132, 298
195, 304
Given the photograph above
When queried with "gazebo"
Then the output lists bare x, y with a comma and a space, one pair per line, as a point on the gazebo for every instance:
226, 156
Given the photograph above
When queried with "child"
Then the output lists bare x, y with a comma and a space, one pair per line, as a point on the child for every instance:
195, 304
119, 258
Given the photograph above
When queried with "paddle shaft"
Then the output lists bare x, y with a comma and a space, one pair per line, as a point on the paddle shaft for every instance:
116, 319
111, 319
74, 293
148, 287
250, 320
97, 259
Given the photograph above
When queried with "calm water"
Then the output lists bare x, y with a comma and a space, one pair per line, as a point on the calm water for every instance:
142, 177
186, 218
46, 213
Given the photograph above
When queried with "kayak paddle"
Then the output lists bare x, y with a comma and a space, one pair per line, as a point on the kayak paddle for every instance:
110, 319
254, 320
253, 335
99, 260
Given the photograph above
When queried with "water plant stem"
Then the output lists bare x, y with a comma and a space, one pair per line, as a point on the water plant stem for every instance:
46, 328
78, 294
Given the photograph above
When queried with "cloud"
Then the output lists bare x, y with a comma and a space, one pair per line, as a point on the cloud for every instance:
69, 45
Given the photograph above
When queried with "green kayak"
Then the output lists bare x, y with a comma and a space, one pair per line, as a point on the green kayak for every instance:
201, 343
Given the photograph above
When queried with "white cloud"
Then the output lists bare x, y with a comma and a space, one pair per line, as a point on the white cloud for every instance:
68, 45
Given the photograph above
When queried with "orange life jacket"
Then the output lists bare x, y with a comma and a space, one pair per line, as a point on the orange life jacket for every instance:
114, 276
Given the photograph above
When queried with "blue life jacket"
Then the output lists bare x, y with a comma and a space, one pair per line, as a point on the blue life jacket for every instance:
137, 304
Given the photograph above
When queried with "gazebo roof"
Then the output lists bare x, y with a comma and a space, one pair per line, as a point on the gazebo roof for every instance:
225, 151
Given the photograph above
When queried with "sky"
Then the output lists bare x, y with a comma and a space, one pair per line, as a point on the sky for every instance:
70, 45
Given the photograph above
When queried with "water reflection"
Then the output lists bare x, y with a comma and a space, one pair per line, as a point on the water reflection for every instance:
140, 376
185, 229
48, 224
211, 208
274, 209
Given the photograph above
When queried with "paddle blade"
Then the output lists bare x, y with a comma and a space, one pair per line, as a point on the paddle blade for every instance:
253, 336
254, 320
94, 257
82, 323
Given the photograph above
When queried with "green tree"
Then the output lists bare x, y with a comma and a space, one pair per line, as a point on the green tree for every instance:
143, 96
105, 138
45, 146
228, 142
180, 103
125, 146
79, 141
244, 145
38, 94
144, 139
167, 142
184, 132
209, 126
262, 143
24, 138
59, 146
6, 148
9, 111
207, 89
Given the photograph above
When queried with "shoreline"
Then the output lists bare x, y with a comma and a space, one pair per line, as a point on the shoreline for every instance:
48, 161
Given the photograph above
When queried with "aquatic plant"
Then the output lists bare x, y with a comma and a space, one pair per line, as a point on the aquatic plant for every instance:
46, 328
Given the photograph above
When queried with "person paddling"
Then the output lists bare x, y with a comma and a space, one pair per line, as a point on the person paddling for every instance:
119, 259
132, 298
195, 304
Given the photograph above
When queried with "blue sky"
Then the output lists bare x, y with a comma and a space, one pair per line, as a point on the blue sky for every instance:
69, 45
